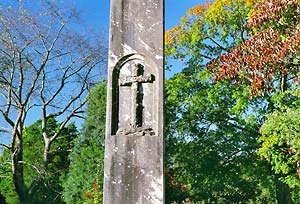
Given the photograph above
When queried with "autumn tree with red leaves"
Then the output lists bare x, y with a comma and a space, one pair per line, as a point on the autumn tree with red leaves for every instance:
268, 63
212, 120
269, 60
243, 53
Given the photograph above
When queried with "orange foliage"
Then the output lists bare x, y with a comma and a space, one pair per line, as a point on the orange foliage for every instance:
267, 11
198, 10
172, 35
88, 195
269, 53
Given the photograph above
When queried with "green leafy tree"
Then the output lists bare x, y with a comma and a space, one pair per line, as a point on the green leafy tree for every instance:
44, 188
211, 144
268, 63
280, 143
6, 189
212, 128
85, 179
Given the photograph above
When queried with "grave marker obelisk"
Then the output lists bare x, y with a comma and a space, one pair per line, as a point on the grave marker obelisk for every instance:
134, 127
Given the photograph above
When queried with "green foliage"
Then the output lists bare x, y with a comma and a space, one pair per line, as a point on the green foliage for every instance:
46, 189
85, 179
212, 127
209, 30
2, 199
6, 188
280, 140
281, 137
211, 143
268, 64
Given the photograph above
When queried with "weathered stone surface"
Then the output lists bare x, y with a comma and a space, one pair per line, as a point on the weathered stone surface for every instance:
134, 128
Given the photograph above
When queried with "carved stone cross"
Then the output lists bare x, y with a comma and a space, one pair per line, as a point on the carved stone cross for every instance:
136, 81
133, 166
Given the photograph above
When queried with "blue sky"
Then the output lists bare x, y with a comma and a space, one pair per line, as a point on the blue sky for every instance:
99, 11
98, 17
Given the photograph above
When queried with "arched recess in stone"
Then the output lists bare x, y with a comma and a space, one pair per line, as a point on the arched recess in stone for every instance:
135, 97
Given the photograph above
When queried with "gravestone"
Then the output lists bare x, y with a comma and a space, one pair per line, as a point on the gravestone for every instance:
133, 167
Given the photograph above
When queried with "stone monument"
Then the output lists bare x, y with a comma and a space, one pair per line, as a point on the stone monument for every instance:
133, 172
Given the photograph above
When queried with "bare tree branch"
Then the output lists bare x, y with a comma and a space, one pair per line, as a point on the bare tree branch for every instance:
5, 146
218, 44
45, 69
5, 130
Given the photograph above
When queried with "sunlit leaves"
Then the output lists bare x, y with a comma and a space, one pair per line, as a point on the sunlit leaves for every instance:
274, 13
222, 10
281, 144
208, 30
216, 121
172, 35
268, 55
208, 120
197, 11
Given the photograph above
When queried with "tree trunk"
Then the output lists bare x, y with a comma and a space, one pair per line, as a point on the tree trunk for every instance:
47, 146
283, 83
283, 194
18, 171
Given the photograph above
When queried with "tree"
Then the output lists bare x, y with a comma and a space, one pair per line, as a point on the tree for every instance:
268, 62
48, 189
270, 55
211, 145
46, 70
280, 144
208, 30
212, 128
84, 182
